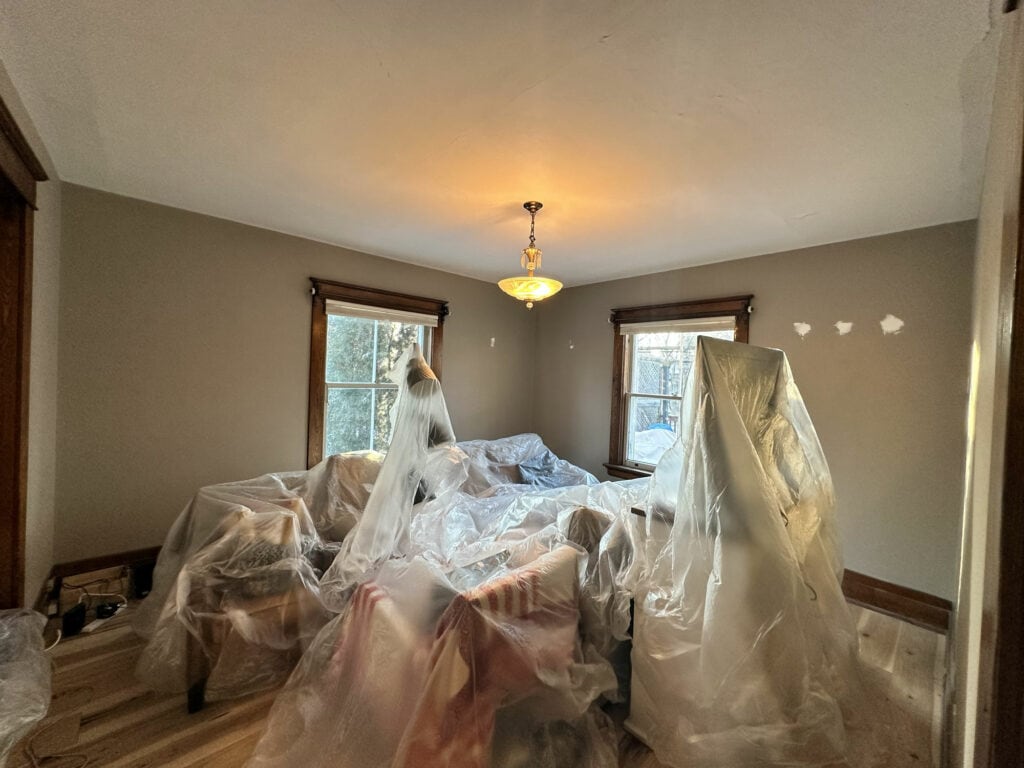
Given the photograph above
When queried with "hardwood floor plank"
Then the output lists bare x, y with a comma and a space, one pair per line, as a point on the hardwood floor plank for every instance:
879, 635
182, 743
125, 725
228, 751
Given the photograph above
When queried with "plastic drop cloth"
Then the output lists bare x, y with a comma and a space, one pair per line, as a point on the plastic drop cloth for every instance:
457, 641
744, 651
237, 590
236, 593
517, 463
24, 676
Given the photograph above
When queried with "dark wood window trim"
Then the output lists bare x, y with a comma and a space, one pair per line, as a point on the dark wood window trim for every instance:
736, 306
326, 290
19, 172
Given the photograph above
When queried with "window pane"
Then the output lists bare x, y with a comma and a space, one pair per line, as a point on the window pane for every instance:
349, 349
662, 361
382, 419
392, 341
349, 420
651, 429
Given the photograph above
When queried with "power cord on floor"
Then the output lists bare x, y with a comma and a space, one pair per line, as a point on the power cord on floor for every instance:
54, 645
49, 760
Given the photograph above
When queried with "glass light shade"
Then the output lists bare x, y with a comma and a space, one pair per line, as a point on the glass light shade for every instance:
530, 287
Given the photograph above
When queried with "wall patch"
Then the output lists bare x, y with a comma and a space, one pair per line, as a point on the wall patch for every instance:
891, 324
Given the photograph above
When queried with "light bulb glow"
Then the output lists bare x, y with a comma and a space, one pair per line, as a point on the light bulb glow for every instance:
530, 287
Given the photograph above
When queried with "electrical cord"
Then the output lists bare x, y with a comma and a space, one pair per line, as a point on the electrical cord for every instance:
47, 760
51, 647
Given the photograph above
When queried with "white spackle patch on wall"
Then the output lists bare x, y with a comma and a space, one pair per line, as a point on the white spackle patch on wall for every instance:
843, 327
802, 329
891, 324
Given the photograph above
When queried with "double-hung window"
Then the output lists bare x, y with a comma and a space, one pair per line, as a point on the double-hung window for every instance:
654, 348
358, 335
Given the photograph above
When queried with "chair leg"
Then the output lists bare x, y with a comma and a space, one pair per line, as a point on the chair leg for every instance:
197, 696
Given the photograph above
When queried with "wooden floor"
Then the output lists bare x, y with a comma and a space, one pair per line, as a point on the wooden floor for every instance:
101, 717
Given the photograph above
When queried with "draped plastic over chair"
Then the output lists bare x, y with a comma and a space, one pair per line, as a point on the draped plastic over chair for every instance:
744, 650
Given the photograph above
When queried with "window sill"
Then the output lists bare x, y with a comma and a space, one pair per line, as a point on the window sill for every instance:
625, 473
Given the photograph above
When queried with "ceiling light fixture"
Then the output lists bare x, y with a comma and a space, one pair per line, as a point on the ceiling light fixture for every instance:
529, 287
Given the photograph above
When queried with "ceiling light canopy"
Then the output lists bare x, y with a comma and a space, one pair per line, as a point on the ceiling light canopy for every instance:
530, 287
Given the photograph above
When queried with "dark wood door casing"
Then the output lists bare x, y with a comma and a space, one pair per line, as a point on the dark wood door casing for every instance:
19, 172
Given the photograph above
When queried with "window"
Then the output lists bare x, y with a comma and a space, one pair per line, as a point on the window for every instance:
358, 334
654, 348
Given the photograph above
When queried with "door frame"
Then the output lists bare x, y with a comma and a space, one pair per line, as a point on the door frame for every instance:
1006, 746
20, 170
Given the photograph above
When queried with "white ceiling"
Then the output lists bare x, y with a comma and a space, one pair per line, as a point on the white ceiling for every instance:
657, 134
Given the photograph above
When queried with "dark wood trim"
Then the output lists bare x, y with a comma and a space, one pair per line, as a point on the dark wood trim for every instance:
317, 391
737, 306
1007, 698
15, 333
377, 297
324, 290
51, 589
623, 472
144, 556
617, 416
18, 162
911, 605
20, 169
683, 310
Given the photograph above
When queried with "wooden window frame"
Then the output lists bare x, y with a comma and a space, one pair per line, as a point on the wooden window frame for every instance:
329, 290
728, 306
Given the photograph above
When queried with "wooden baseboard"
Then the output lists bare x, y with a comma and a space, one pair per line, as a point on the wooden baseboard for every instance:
918, 608
133, 557
61, 571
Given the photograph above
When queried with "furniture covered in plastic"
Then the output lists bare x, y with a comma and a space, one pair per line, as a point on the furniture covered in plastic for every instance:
744, 650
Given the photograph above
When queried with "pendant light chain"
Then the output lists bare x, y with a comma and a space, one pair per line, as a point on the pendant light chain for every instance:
530, 287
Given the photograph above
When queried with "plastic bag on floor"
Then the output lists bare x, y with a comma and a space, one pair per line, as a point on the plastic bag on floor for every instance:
744, 649
24, 676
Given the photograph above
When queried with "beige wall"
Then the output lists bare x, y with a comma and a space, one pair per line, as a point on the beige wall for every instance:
43, 387
184, 359
993, 315
889, 410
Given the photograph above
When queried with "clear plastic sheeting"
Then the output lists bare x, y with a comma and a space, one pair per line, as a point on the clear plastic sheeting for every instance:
517, 461
24, 676
422, 464
252, 570
423, 668
457, 641
235, 591
744, 650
